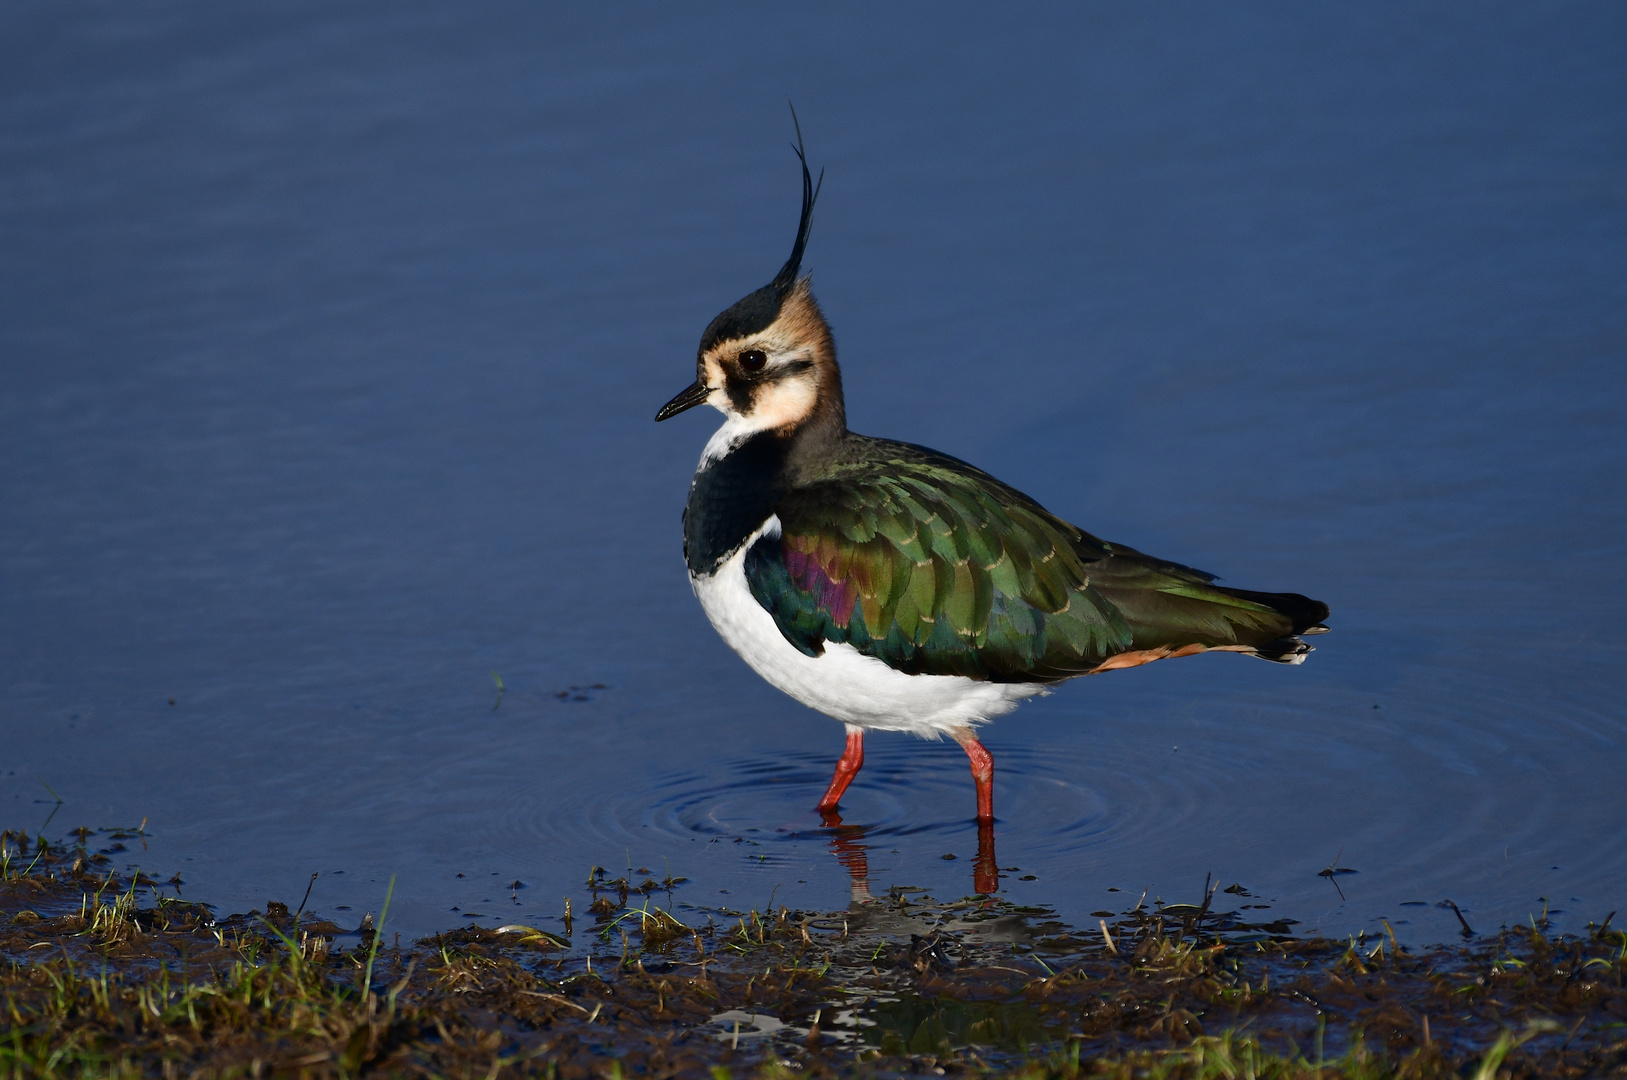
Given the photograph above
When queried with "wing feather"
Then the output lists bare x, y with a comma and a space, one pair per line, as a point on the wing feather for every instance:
935, 567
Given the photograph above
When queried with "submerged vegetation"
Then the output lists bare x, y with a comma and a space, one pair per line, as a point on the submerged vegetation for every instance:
106, 975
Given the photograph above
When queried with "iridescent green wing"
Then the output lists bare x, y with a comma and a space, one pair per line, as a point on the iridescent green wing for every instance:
1167, 605
934, 567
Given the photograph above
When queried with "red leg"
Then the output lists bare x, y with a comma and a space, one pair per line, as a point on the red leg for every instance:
846, 769
982, 774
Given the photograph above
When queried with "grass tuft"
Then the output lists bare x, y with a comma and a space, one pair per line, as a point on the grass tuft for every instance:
101, 975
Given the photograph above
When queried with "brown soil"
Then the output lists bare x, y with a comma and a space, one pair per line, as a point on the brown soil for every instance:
109, 975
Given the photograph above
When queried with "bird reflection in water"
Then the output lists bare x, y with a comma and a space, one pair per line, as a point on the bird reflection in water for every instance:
847, 844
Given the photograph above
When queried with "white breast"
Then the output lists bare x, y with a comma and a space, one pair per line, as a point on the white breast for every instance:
843, 682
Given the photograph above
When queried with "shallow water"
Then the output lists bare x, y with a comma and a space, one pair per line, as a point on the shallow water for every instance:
331, 343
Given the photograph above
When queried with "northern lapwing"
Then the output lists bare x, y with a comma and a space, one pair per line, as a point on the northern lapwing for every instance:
895, 588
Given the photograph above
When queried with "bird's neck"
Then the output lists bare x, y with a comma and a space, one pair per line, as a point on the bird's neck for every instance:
743, 476
733, 494
828, 419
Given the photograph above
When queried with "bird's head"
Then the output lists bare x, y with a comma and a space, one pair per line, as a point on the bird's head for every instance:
768, 362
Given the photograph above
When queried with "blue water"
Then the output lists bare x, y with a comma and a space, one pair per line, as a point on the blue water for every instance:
331, 339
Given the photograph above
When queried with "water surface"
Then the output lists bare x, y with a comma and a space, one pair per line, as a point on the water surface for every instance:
331, 341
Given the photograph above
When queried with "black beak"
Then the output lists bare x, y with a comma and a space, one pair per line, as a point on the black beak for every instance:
693, 394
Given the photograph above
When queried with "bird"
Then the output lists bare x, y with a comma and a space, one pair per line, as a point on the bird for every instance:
896, 588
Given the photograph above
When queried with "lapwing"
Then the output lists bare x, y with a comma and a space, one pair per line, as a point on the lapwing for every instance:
896, 588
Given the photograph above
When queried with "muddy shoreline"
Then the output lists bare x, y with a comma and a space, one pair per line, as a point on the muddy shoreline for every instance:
111, 974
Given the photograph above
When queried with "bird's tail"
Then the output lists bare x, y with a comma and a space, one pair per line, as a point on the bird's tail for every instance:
1302, 612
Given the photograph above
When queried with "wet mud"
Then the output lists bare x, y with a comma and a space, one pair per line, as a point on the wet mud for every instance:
107, 974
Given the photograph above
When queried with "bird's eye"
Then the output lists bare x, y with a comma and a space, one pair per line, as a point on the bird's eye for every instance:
753, 360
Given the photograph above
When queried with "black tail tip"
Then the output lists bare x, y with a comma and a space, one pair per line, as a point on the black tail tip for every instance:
1304, 614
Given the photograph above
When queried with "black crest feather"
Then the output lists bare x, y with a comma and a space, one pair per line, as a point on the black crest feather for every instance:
810, 194
757, 311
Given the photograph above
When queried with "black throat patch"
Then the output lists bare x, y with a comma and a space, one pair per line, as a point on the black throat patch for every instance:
731, 498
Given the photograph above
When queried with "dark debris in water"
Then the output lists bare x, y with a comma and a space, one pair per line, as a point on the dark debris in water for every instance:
580, 693
106, 974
